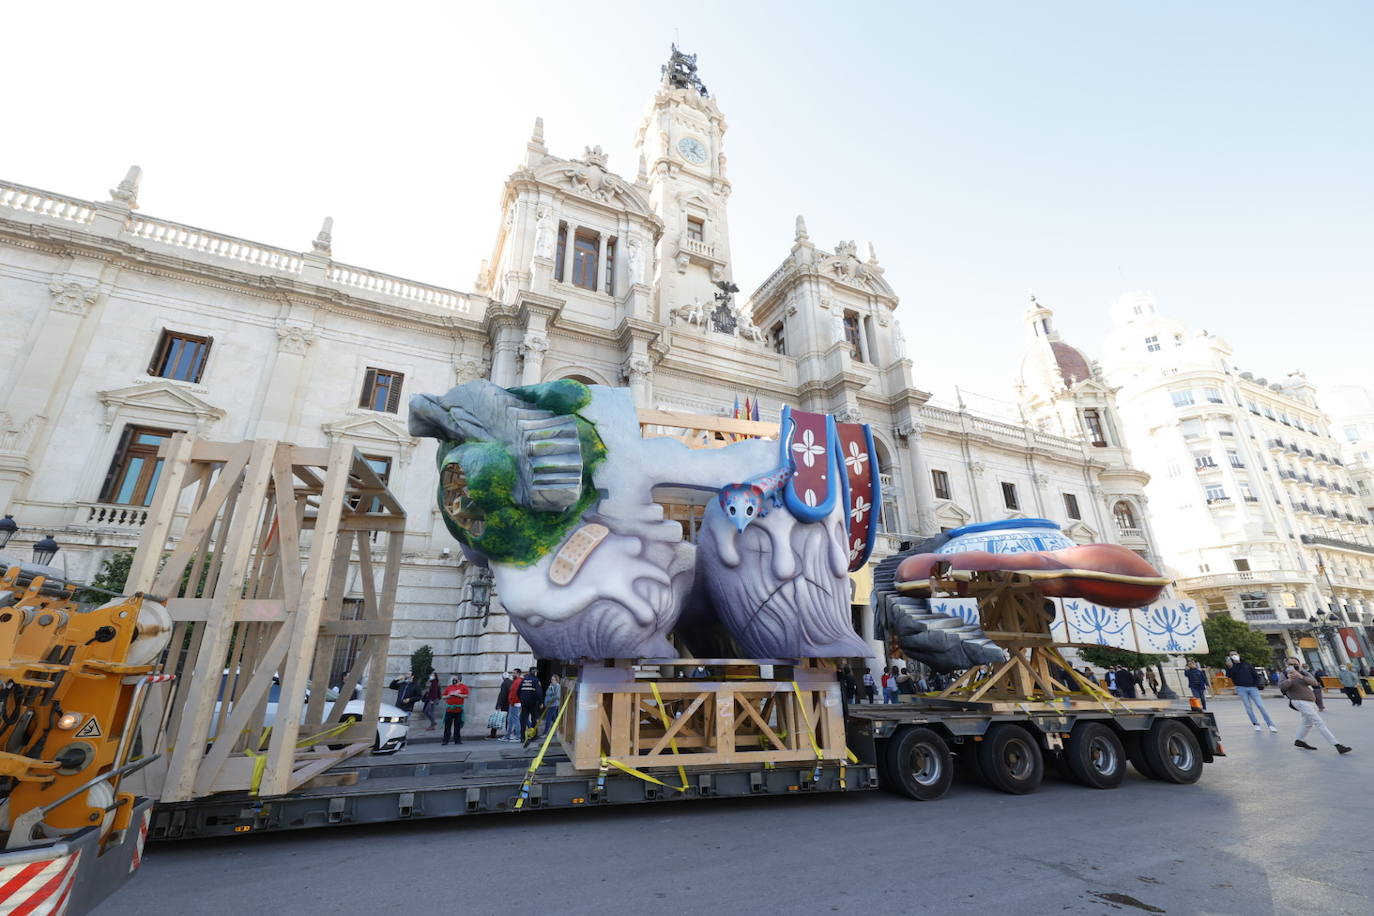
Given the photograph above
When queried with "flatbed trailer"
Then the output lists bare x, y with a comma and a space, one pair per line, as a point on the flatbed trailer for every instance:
891, 747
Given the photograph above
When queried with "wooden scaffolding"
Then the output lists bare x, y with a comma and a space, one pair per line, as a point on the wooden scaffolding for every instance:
254, 546
643, 720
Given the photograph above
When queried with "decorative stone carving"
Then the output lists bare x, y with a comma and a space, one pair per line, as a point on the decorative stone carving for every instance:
72, 296
976, 468
545, 233
746, 327
801, 235
846, 249
589, 177
837, 323
534, 343
127, 191
693, 312
872, 254
683, 259
468, 368
636, 370
724, 319
850, 414
634, 254
292, 338
14, 435
324, 240
911, 429
898, 341
1041, 481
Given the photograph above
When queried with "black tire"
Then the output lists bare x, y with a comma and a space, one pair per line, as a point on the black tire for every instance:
1172, 752
1009, 759
1094, 756
884, 775
350, 720
919, 764
1135, 753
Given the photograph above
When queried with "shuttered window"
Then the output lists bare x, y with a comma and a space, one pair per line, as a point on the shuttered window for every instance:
381, 390
180, 356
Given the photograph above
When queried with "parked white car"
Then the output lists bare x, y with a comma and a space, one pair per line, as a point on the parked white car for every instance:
392, 723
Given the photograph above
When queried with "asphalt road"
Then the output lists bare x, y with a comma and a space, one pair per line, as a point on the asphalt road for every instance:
1270, 829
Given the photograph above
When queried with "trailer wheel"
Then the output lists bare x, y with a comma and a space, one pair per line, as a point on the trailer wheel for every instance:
1010, 760
1135, 753
1094, 756
1172, 751
919, 764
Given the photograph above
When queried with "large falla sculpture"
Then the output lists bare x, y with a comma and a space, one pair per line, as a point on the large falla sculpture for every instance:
552, 487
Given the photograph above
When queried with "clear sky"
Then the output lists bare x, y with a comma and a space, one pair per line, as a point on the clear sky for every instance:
1218, 155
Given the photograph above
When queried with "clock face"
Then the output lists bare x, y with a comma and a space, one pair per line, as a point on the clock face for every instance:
692, 150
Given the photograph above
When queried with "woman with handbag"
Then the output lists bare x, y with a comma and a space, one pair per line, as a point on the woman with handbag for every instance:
1301, 690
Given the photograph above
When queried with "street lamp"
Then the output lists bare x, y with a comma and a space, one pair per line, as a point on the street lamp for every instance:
1325, 627
8, 529
45, 550
479, 591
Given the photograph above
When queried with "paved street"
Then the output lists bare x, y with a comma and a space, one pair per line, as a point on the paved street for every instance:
1270, 829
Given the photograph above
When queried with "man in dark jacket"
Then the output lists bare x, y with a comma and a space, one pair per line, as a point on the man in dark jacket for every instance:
1126, 683
1248, 683
502, 700
531, 702
1197, 682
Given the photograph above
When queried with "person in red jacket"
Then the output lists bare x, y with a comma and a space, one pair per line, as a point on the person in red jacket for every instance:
455, 695
513, 707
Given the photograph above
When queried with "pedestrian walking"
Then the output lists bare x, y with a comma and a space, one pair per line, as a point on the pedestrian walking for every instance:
870, 687
1197, 682
1350, 684
1246, 679
1111, 683
890, 685
553, 695
513, 706
1300, 688
531, 701
1153, 680
431, 699
455, 695
848, 685
502, 705
906, 684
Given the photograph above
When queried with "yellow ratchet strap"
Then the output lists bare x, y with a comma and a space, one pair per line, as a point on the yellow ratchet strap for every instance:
663, 716
810, 733
260, 756
638, 774
543, 749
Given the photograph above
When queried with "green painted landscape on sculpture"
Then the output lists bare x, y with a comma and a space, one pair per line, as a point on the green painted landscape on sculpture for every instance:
514, 533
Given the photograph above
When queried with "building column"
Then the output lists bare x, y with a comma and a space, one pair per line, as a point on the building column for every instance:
281, 398
533, 346
600, 278
922, 486
569, 247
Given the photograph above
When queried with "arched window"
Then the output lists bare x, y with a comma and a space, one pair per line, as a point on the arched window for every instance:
1125, 518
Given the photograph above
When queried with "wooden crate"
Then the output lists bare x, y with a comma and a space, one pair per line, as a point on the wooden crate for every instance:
253, 546
709, 722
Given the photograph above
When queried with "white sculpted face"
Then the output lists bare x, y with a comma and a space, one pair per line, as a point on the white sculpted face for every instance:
692, 150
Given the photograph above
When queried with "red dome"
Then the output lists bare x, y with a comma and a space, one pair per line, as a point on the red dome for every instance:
1071, 363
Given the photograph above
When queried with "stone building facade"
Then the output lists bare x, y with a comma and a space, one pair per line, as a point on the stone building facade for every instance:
127, 327
1256, 511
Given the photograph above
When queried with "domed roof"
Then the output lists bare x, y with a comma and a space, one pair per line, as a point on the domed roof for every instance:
1073, 365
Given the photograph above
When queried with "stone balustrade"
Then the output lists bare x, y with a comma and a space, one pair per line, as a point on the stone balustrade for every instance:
107, 516
374, 282
45, 203
214, 244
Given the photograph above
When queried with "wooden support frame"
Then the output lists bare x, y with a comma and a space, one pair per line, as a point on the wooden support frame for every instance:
710, 722
253, 545
1013, 614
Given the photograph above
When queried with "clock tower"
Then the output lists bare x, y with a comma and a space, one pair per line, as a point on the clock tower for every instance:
680, 147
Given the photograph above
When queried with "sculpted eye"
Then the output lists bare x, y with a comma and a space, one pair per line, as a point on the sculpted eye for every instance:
749, 510
732, 510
